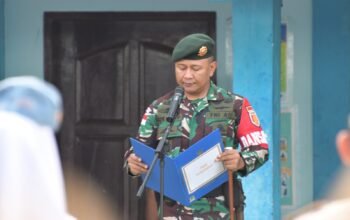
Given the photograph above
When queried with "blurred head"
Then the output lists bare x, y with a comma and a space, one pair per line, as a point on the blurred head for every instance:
194, 58
32, 98
343, 146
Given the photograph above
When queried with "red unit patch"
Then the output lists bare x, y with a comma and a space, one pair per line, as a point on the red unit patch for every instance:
252, 116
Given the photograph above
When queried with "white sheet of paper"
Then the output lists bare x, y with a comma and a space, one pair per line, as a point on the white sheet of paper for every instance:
203, 169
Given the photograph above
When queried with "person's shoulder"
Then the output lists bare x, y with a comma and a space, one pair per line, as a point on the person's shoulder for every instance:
19, 131
12, 120
226, 94
338, 209
166, 98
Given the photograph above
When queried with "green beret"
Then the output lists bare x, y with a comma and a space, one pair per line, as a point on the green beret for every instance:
194, 47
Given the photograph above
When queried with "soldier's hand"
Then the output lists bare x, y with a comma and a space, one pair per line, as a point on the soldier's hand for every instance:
136, 167
232, 160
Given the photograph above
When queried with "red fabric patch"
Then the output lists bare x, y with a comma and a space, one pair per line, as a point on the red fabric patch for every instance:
252, 116
144, 119
249, 131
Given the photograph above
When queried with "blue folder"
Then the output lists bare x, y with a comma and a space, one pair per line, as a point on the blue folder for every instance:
175, 186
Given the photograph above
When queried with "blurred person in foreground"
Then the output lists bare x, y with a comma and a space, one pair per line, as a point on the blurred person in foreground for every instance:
337, 204
31, 180
85, 199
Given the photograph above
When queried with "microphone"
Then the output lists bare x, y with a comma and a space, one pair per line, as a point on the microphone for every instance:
177, 98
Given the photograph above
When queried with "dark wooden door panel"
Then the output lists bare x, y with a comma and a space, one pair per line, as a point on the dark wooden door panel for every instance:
109, 67
102, 161
160, 82
103, 72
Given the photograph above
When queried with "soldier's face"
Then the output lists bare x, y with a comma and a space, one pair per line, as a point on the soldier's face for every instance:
194, 76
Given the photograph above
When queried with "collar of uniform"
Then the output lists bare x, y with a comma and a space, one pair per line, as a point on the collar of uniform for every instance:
213, 93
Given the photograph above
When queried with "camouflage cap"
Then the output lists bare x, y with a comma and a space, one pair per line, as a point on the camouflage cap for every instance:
194, 47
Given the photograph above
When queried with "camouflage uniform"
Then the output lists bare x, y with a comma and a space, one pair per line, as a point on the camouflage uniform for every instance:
238, 124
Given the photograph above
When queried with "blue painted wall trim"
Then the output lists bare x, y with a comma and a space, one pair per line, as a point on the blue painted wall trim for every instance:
2, 37
256, 61
331, 86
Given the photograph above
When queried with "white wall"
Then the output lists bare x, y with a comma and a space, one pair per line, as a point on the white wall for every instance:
298, 16
24, 27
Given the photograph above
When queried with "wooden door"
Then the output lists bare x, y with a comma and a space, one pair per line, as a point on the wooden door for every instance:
109, 67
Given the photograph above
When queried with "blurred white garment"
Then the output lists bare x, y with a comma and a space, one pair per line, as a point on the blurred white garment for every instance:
31, 180
336, 210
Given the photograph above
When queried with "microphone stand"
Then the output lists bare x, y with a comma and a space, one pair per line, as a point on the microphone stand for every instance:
159, 154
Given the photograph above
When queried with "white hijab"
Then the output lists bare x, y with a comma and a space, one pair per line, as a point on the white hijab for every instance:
31, 179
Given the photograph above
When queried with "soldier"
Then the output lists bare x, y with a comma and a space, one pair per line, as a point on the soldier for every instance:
204, 108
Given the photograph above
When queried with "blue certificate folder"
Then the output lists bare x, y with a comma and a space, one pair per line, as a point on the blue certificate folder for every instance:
183, 182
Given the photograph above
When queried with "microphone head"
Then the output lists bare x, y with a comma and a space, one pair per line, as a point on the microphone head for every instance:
179, 91
177, 98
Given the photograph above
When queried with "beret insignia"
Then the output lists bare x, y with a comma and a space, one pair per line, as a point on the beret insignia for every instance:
202, 51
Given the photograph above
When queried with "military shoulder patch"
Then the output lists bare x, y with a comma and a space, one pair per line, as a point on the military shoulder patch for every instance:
252, 116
